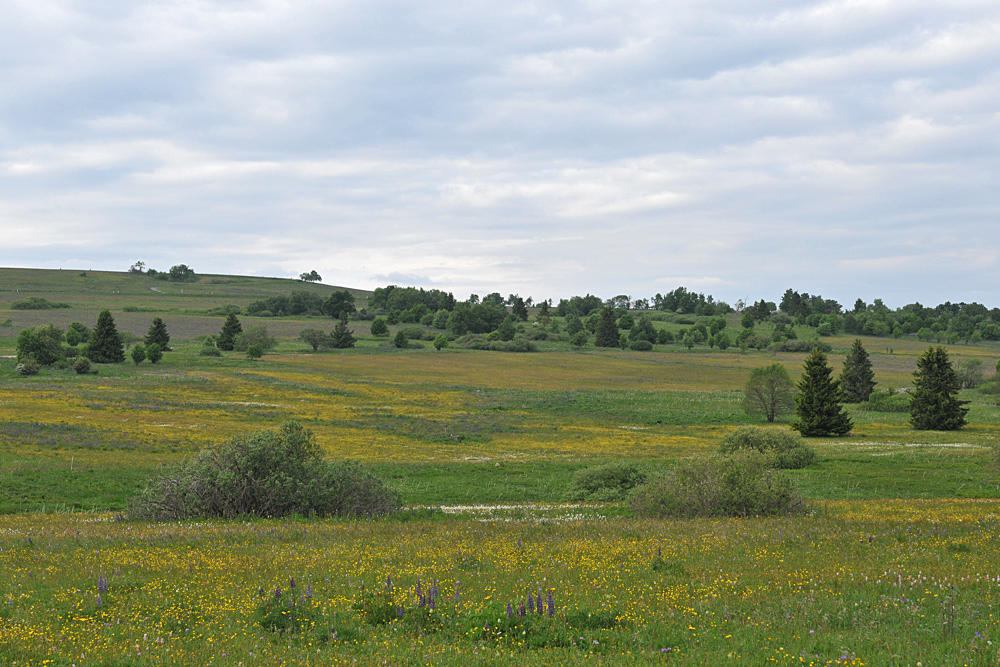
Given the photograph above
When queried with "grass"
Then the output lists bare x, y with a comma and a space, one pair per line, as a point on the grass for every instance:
859, 583
896, 564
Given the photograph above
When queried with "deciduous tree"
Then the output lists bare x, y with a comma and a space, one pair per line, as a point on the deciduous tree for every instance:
768, 392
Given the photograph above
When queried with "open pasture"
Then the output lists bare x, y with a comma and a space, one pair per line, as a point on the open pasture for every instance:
858, 583
455, 426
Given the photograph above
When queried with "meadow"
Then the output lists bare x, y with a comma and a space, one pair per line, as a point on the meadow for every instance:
893, 566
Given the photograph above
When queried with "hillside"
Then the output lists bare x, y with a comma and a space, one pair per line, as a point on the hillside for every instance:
131, 297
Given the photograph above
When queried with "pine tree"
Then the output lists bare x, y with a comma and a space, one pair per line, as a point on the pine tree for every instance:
341, 337
105, 346
230, 330
857, 380
935, 404
607, 334
818, 403
158, 334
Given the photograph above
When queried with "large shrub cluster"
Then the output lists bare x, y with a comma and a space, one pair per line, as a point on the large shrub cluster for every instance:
267, 473
743, 484
606, 483
787, 450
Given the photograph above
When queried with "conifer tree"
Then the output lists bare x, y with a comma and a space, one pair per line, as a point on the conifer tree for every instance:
607, 334
935, 404
231, 329
818, 403
857, 380
158, 334
341, 337
105, 346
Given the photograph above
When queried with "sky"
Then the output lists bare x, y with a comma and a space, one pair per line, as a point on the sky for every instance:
847, 148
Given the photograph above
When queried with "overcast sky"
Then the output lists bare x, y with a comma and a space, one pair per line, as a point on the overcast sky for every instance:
850, 149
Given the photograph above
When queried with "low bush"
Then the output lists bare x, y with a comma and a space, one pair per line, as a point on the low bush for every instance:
82, 366
607, 483
742, 485
416, 333
267, 473
481, 342
208, 349
641, 346
803, 346
887, 401
27, 366
37, 303
788, 449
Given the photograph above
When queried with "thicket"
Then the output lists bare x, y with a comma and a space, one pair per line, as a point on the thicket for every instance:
787, 450
267, 473
743, 484
611, 482
37, 303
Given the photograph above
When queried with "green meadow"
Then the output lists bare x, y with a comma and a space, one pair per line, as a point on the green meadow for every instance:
894, 565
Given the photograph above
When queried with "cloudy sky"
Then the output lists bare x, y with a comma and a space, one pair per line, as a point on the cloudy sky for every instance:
846, 148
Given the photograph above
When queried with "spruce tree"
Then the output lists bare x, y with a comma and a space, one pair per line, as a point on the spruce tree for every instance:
857, 380
158, 334
105, 346
230, 330
341, 337
935, 404
607, 334
818, 403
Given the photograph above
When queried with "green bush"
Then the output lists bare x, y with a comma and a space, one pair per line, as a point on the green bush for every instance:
208, 349
744, 484
255, 334
481, 342
607, 483
153, 353
641, 345
37, 303
268, 473
82, 366
415, 333
27, 366
788, 449
887, 401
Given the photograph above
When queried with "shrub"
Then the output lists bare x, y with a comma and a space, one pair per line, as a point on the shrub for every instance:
138, 354
607, 483
579, 339
37, 303
641, 345
267, 473
480, 342
82, 366
379, 327
744, 484
414, 333
255, 334
153, 353
208, 349
789, 450
802, 346
887, 401
255, 351
400, 339
43, 345
27, 366
440, 342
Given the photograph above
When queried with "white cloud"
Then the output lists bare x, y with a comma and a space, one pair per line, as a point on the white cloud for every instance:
542, 147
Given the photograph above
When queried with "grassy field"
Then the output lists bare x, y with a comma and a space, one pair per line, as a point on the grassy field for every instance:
893, 567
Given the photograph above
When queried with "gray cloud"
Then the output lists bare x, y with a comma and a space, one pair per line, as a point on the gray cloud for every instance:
545, 148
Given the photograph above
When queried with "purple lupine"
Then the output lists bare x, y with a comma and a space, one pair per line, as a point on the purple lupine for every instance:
99, 602
434, 590
102, 583
277, 592
291, 582
519, 545
309, 590
260, 591
456, 591
551, 604
522, 612
388, 583
399, 612
510, 611
531, 604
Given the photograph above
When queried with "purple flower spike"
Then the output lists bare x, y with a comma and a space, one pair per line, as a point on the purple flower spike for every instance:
510, 611
277, 592
309, 591
551, 604
434, 590
99, 602
420, 591
538, 607
531, 604
522, 612
291, 582
388, 583
102, 583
